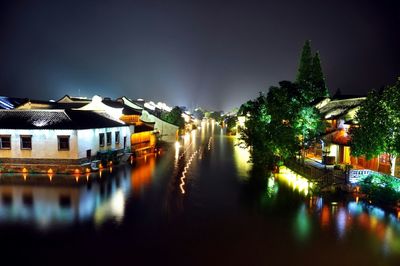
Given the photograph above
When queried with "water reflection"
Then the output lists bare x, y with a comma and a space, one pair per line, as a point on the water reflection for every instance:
348, 219
50, 201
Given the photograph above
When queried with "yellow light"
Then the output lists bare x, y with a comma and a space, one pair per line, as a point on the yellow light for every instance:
76, 171
87, 170
24, 170
50, 171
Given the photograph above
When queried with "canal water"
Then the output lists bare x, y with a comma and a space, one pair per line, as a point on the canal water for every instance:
198, 202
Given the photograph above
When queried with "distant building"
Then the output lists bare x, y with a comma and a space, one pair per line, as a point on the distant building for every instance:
60, 140
166, 131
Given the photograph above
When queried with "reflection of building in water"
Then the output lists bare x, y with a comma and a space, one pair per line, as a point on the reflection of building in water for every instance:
46, 203
141, 174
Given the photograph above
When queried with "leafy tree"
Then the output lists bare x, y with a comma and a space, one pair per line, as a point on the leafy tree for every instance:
379, 125
174, 117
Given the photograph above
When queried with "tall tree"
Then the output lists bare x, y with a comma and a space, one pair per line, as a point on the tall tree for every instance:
317, 77
305, 65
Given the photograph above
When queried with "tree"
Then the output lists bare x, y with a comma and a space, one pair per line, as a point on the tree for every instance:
174, 117
379, 125
305, 65
317, 77
310, 77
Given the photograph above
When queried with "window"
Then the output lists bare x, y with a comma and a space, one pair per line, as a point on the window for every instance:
108, 138
26, 142
5, 142
63, 143
101, 139
117, 137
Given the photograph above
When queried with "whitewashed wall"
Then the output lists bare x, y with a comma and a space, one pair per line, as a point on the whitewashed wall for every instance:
89, 139
167, 130
45, 142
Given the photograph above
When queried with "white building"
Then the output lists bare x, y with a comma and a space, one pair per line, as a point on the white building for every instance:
61, 140
167, 131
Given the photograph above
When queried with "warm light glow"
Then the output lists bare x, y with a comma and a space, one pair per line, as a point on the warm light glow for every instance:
294, 180
76, 171
24, 170
50, 171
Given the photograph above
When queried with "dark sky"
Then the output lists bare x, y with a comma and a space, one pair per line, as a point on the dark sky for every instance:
216, 54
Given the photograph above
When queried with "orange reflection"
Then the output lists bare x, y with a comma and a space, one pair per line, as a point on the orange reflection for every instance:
325, 216
141, 174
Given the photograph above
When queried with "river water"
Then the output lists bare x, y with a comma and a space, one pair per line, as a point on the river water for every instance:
196, 203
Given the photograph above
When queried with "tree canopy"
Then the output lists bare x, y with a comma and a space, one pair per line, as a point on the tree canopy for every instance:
379, 124
310, 77
174, 117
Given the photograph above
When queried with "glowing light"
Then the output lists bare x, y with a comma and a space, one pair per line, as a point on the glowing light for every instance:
87, 170
50, 171
24, 175
294, 180
76, 171
183, 177
24, 170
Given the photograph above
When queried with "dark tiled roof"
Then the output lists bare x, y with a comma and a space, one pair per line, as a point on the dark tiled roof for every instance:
54, 119
339, 108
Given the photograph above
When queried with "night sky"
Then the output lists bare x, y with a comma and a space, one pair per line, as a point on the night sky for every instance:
215, 54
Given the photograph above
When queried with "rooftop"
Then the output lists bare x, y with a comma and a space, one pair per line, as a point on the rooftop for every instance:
55, 119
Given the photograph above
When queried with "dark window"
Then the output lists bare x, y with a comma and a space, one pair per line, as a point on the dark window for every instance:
101, 139
5, 142
63, 143
108, 138
117, 137
89, 154
26, 142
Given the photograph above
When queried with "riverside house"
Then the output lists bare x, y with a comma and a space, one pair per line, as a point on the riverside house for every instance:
59, 141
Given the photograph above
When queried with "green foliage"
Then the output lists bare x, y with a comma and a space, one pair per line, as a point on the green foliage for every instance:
379, 124
278, 125
174, 117
310, 77
381, 189
231, 122
305, 65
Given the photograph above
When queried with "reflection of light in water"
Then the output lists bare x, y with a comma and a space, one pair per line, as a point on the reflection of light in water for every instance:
272, 187
294, 180
341, 222
241, 156
141, 174
354, 208
177, 146
183, 177
377, 213
115, 207
193, 136
302, 224
186, 139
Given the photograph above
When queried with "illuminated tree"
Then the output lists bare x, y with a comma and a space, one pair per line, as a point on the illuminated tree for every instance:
379, 125
174, 117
